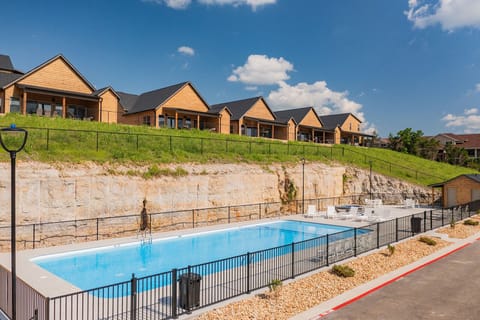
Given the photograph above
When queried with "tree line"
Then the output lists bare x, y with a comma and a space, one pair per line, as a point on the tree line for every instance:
415, 143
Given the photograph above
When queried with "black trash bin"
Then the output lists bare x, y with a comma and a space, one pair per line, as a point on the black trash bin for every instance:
189, 290
416, 223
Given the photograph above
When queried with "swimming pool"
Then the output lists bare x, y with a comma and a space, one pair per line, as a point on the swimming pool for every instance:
98, 267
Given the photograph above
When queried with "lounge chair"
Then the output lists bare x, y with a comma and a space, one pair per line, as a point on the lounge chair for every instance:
311, 212
352, 213
331, 212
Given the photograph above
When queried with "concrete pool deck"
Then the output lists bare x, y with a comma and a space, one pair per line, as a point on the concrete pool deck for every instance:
50, 285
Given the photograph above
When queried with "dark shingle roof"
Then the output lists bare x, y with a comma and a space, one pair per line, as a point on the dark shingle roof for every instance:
127, 100
6, 63
296, 114
237, 108
334, 120
148, 100
6, 78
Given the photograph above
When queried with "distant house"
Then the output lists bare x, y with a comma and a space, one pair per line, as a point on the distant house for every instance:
347, 129
179, 106
308, 125
55, 88
253, 117
469, 142
459, 190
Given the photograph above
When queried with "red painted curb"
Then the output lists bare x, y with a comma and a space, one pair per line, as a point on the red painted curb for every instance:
388, 282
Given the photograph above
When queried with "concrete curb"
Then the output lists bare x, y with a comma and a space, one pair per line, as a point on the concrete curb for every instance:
363, 290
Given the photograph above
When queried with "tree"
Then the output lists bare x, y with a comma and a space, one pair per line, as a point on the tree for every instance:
406, 141
455, 155
428, 148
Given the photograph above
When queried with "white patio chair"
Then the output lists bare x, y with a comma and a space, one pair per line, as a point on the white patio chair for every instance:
311, 211
331, 212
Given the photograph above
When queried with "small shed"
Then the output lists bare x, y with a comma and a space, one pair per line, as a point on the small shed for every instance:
462, 189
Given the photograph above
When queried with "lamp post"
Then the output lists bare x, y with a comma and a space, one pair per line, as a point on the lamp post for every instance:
303, 185
370, 162
13, 140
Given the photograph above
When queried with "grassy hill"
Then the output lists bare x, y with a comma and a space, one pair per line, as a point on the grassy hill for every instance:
65, 140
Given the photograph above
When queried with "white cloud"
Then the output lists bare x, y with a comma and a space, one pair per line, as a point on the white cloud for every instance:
183, 4
174, 4
317, 94
186, 51
477, 87
450, 14
468, 122
252, 3
262, 70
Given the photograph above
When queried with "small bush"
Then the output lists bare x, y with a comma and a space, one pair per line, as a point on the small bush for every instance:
428, 241
274, 285
470, 222
391, 249
452, 223
343, 271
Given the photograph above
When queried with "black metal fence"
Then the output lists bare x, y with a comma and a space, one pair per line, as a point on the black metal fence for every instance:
127, 144
35, 235
179, 291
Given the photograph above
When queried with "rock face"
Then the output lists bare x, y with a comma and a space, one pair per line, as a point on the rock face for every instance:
67, 192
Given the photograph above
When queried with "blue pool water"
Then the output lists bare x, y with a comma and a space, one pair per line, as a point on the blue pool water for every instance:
98, 267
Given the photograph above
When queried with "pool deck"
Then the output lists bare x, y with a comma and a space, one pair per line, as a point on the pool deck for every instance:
50, 285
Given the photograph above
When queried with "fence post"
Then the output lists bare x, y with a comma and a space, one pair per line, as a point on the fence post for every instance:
97, 140
97, 228
343, 151
250, 147
171, 147
425, 221
248, 272
303, 150
331, 152
33, 236
137, 141
327, 252
260, 211
228, 214
226, 146
293, 260
174, 293
378, 235
201, 146
396, 229
48, 137
354, 242
288, 148
431, 223
187, 289
133, 298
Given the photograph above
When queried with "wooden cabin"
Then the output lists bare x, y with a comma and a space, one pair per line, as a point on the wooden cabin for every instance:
179, 106
459, 190
55, 88
308, 126
347, 128
253, 117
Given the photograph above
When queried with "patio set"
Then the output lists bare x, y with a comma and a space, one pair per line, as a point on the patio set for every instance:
372, 211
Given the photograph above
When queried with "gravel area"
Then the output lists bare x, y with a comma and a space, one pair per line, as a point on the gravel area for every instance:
303, 294
461, 231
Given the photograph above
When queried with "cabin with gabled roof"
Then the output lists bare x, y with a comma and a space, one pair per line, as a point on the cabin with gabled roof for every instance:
347, 129
55, 88
308, 127
178, 106
253, 117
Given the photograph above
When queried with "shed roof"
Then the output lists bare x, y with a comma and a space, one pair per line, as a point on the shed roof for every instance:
474, 177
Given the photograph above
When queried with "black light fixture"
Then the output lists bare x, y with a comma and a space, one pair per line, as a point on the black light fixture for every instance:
303, 185
13, 140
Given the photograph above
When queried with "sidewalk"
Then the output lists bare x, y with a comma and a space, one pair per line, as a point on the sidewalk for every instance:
333, 309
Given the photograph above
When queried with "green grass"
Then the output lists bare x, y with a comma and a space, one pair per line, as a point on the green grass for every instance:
65, 140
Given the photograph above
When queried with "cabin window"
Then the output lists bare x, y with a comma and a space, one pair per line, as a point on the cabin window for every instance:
76, 112
180, 123
146, 120
14, 105
188, 123
32, 107
161, 121
171, 122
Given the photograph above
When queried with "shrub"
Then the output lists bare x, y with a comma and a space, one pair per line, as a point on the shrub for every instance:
470, 222
343, 271
391, 249
452, 223
274, 287
428, 241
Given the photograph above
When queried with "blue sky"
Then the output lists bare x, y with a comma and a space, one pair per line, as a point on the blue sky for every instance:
396, 64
